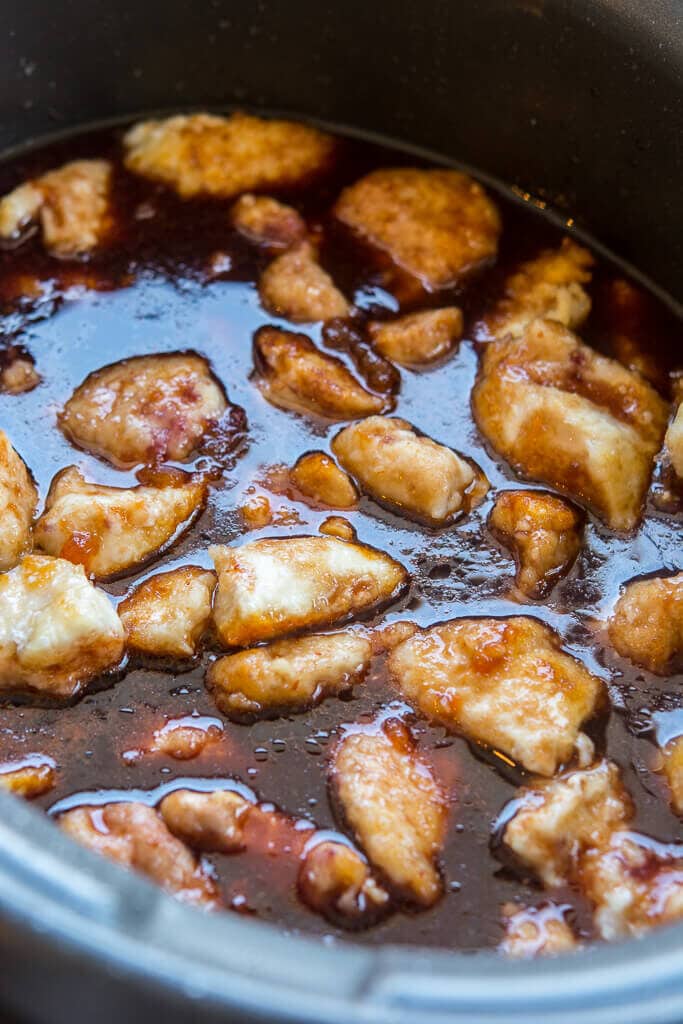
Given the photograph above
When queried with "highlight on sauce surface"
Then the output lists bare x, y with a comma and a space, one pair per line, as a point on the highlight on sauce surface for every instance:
340, 553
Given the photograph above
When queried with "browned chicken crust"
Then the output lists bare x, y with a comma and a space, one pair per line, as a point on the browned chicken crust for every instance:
167, 614
418, 338
647, 623
318, 477
296, 287
267, 222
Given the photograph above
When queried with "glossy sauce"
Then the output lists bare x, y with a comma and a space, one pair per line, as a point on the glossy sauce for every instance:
155, 293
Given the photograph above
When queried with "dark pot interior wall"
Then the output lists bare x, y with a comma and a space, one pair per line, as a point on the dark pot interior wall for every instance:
575, 100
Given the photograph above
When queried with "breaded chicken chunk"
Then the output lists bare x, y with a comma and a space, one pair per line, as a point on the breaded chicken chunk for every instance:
673, 443
109, 530
147, 409
134, 835
555, 822
672, 767
634, 884
207, 821
335, 881
267, 222
168, 613
647, 623
504, 683
390, 799
57, 631
185, 738
201, 154
267, 588
318, 477
438, 226
30, 777
18, 375
71, 204
418, 338
408, 471
549, 286
337, 526
288, 676
536, 931
542, 531
296, 287
293, 374
18, 500
562, 414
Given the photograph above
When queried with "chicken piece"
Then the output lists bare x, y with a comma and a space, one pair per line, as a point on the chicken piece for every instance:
185, 738
296, 287
418, 338
71, 203
109, 530
147, 409
57, 631
293, 374
408, 471
544, 534
335, 881
167, 614
201, 154
18, 500
536, 931
288, 676
548, 286
208, 821
562, 414
554, 823
504, 683
318, 477
30, 777
390, 799
634, 885
267, 222
337, 526
134, 835
647, 623
672, 768
18, 375
673, 443
385, 639
267, 588
436, 225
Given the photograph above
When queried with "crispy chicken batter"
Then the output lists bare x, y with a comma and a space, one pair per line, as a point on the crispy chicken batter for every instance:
30, 777
18, 500
335, 881
267, 588
562, 414
168, 613
296, 287
288, 676
536, 931
418, 338
318, 477
399, 467
57, 631
544, 534
267, 222
109, 530
147, 409
504, 683
293, 374
647, 623
436, 225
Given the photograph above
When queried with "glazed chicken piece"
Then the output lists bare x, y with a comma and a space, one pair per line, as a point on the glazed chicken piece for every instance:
201, 154
207, 821
110, 530
57, 631
503, 683
673, 443
672, 767
293, 374
134, 835
437, 226
544, 534
167, 614
288, 676
71, 204
398, 467
335, 881
418, 338
267, 588
185, 738
536, 931
18, 374
147, 409
389, 798
337, 526
296, 287
268, 223
554, 823
18, 500
318, 477
634, 885
549, 286
562, 414
30, 777
647, 623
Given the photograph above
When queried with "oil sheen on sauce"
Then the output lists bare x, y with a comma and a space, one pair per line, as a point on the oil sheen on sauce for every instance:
153, 294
